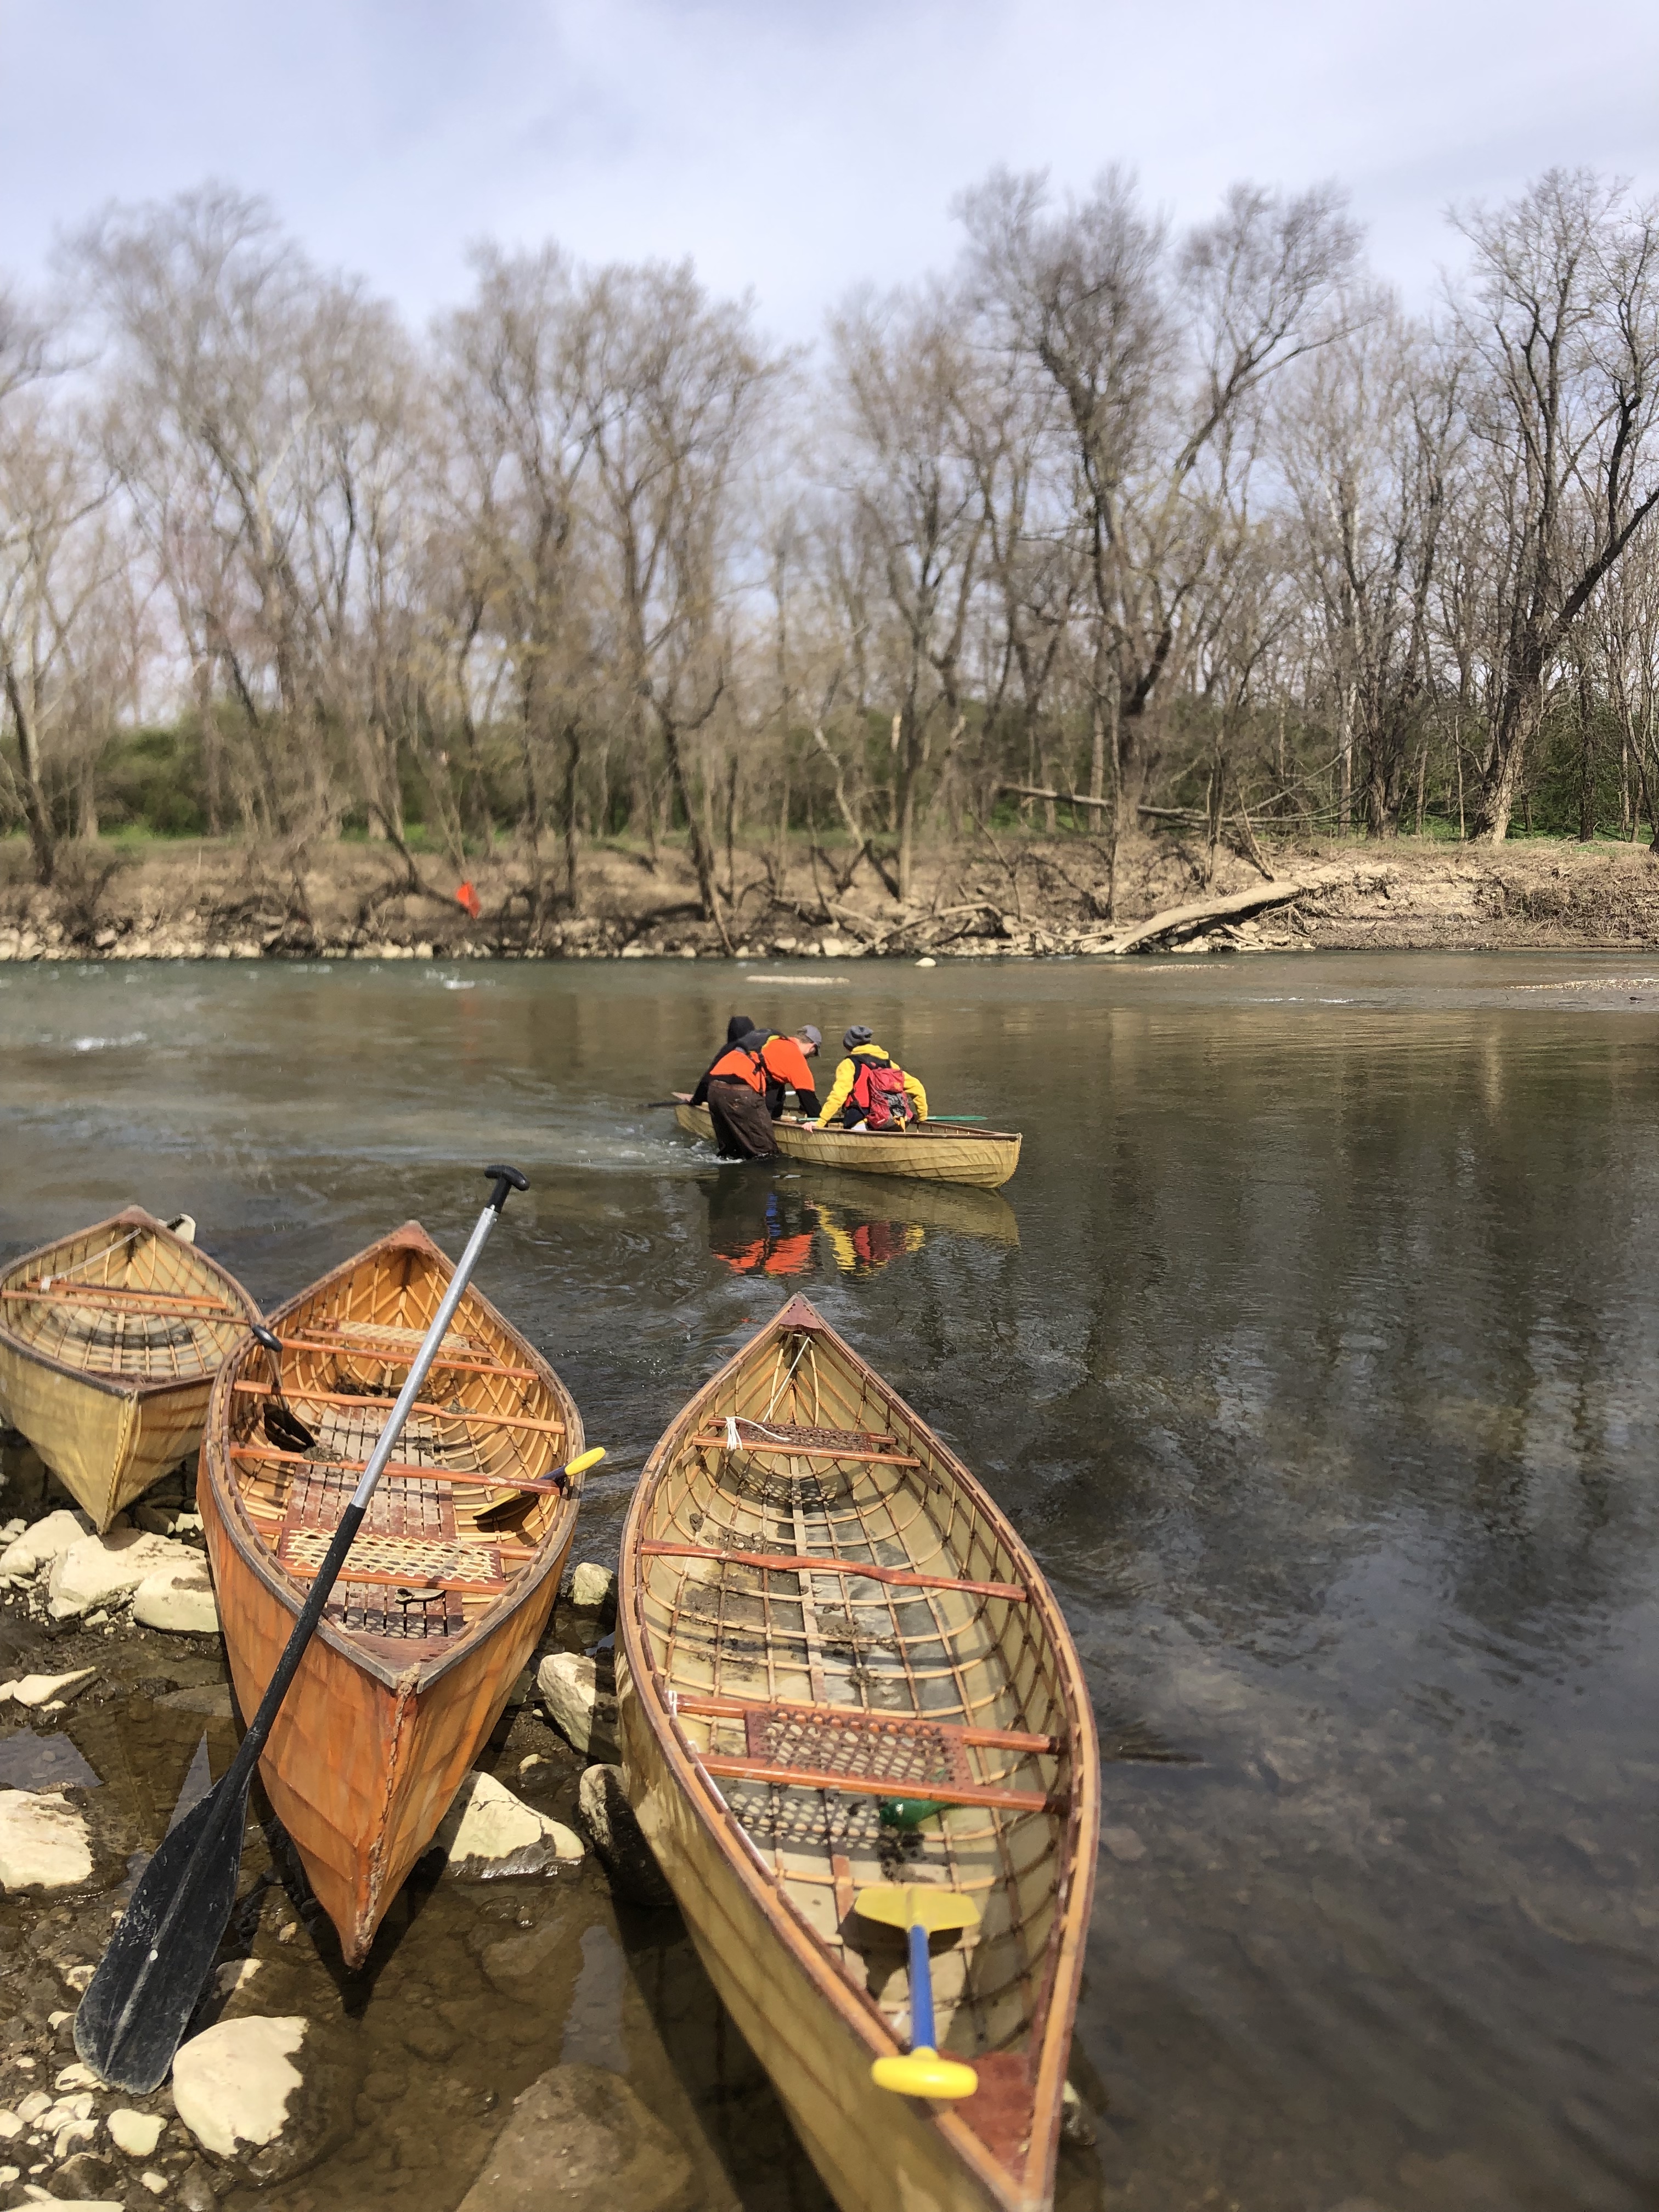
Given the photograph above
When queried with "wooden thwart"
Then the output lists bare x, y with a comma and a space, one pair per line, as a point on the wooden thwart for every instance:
759, 1446
400, 1356
810, 1562
532, 1482
137, 1301
305, 1397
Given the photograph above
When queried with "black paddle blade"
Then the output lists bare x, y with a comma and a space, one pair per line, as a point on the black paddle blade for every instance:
138, 2003
284, 1428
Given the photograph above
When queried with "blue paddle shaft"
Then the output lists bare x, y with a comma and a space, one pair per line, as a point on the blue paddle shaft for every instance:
922, 1990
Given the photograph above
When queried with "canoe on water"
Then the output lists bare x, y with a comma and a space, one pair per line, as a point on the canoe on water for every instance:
927, 1151
446, 1592
769, 1711
109, 1343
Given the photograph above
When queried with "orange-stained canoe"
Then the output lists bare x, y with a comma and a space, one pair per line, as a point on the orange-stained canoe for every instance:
769, 1708
412, 1664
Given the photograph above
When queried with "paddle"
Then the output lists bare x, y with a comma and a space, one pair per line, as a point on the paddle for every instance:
535, 1486
284, 1427
139, 2003
921, 1910
956, 1117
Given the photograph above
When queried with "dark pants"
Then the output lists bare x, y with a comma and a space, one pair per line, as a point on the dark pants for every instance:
743, 1127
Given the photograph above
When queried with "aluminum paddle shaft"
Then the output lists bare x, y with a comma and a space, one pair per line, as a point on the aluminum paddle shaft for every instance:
139, 2003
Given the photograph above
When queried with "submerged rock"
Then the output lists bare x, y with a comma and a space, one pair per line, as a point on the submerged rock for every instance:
99, 1568
489, 1832
178, 1597
618, 1840
44, 1843
580, 2140
43, 1542
580, 1706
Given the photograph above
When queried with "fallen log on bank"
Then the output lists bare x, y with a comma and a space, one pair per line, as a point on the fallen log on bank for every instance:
1234, 907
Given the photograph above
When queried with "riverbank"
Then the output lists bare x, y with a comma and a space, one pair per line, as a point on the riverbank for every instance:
220, 900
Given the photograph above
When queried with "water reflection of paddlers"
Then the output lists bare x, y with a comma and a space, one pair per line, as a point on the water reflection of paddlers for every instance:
865, 1245
755, 1229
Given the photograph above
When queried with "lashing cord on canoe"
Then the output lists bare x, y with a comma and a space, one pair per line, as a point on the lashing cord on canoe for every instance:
781, 1382
129, 1238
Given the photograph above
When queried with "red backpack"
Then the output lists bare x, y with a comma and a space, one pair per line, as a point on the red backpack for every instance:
879, 1094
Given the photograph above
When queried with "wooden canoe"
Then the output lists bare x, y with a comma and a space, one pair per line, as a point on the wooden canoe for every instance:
767, 1711
109, 1343
926, 1152
418, 1648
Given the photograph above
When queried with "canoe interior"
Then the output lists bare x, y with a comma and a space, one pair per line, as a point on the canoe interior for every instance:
495, 1414
874, 1486
125, 1302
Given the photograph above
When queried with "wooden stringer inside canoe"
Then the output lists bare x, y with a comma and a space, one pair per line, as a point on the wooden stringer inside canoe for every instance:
811, 1697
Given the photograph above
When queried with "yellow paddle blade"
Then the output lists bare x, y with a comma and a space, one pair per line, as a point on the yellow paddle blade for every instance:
918, 1905
583, 1461
923, 2073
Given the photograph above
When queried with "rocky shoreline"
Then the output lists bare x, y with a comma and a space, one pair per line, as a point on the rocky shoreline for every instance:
216, 903
111, 1669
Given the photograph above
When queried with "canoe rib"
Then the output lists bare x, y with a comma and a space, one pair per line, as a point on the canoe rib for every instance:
766, 1853
410, 1667
109, 1341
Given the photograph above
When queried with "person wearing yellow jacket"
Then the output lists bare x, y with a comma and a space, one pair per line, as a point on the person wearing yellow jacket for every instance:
863, 1090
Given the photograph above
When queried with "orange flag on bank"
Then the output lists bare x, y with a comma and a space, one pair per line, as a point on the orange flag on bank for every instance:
468, 898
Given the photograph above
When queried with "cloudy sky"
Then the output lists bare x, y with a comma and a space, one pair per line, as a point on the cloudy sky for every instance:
793, 150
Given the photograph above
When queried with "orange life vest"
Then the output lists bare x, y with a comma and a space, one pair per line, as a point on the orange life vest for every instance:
740, 1067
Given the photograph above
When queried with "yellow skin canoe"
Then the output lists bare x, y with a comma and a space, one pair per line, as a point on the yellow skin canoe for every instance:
394, 1698
953, 1660
109, 1343
927, 1152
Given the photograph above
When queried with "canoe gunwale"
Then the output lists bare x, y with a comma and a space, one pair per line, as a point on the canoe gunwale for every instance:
290, 1592
991, 1157
1047, 2045
137, 1387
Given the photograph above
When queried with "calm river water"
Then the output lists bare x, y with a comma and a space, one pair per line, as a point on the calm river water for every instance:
1315, 1350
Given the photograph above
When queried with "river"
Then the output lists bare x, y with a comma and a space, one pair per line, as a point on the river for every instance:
1314, 1349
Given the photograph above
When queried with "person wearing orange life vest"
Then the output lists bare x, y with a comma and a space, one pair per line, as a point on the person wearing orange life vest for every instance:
736, 1092
785, 1059
871, 1088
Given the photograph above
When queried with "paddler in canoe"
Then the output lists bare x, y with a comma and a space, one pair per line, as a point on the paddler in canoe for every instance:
743, 1090
871, 1090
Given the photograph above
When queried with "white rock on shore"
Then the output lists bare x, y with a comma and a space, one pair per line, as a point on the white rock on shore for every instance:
584, 1714
43, 1689
99, 1568
592, 1586
179, 1597
44, 1843
135, 2133
487, 1832
232, 2084
43, 1542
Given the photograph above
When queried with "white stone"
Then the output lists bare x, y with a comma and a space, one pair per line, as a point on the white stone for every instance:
135, 2133
65, 2109
927, 961
32, 2105
584, 1714
179, 1597
46, 1689
11, 2125
78, 2077
100, 1568
231, 2083
27, 1554
235, 1974
155, 2183
487, 1830
43, 1842
72, 2135
591, 1587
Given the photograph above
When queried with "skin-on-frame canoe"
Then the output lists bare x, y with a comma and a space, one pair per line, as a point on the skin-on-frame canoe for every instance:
109, 1343
927, 1151
767, 1713
433, 1616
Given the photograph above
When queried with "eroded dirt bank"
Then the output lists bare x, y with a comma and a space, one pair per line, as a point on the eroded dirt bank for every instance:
227, 901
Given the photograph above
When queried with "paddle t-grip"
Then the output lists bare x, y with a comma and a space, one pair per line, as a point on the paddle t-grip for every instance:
507, 1181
